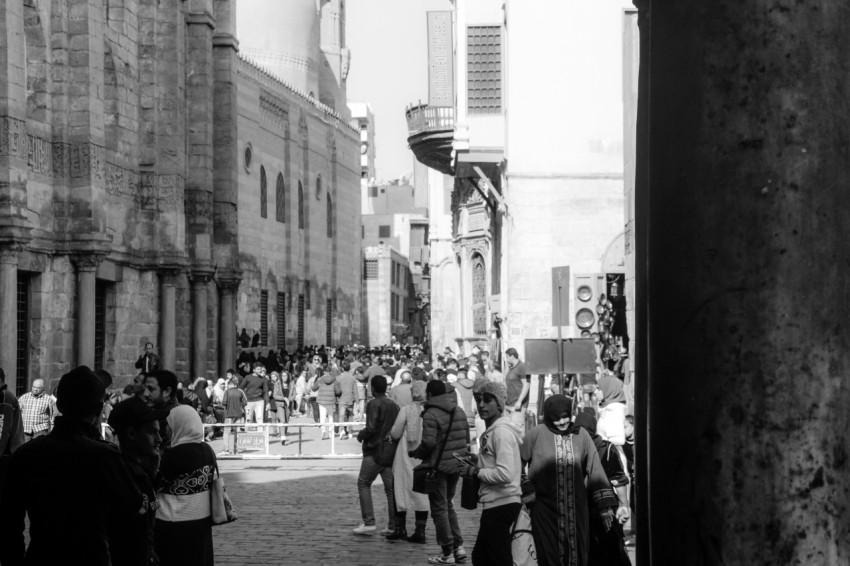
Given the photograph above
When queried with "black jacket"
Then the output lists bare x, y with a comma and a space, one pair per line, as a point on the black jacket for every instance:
72, 485
437, 421
380, 417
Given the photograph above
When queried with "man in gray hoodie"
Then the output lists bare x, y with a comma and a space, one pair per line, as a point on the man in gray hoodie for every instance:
498, 468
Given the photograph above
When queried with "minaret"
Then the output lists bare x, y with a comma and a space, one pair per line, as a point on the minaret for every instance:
283, 38
335, 56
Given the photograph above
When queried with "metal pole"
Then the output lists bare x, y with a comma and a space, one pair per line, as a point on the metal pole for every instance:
560, 342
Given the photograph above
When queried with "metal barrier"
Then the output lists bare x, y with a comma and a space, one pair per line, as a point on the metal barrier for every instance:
256, 439
253, 439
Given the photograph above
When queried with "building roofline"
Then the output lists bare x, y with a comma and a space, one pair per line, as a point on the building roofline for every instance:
265, 75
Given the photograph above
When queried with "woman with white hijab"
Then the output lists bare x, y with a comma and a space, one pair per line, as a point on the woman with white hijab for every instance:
183, 523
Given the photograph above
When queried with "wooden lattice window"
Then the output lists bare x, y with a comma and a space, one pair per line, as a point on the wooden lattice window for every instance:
484, 69
479, 296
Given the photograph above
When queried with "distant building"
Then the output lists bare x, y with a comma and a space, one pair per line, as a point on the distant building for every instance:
299, 209
399, 224
385, 294
142, 164
537, 163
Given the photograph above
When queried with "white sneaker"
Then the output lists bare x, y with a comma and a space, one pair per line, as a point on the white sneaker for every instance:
365, 529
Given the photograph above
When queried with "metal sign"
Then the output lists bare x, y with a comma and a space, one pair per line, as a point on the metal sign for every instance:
440, 59
541, 355
251, 440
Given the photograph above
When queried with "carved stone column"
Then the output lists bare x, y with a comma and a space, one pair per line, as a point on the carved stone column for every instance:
199, 323
9, 312
168, 318
86, 268
227, 323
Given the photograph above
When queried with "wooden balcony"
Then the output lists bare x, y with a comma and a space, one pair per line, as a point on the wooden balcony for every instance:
430, 135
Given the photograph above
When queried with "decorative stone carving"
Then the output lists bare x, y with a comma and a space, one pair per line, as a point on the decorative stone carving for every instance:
87, 161
274, 106
170, 190
121, 182
229, 284
39, 153
199, 204
87, 262
9, 254
61, 160
147, 190
302, 125
200, 277
13, 137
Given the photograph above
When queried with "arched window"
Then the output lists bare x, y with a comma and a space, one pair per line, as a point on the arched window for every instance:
300, 206
264, 194
330, 217
280, 199
319, 186
479, 296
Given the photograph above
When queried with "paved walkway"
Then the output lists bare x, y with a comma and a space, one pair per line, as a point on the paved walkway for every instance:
302, 512
297, 512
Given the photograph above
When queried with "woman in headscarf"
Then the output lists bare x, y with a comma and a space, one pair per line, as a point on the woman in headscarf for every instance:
408, 431
568, 479
183, 523
607, 548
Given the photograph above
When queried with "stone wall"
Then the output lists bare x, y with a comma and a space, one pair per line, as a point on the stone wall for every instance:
102, 158
297, 140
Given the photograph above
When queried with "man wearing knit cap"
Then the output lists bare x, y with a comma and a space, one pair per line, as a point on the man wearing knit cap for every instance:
498, 468
89, 486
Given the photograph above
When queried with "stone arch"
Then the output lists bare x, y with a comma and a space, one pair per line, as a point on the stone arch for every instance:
37, 64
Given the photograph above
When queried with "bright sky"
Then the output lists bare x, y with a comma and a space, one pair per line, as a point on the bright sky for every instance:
389, 70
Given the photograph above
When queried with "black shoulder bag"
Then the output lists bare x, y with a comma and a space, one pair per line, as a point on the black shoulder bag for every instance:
425, 475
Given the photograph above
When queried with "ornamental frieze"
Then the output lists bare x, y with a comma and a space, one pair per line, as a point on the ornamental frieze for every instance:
13, 137
39, 153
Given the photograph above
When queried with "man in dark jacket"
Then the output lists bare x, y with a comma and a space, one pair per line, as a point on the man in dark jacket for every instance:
71, 484
256, 388
381, 413
443, 417
137, 427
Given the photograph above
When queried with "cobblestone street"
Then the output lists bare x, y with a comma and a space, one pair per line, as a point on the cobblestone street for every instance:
302, 512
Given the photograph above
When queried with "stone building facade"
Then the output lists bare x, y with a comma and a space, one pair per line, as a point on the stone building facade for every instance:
121, 181
299, 216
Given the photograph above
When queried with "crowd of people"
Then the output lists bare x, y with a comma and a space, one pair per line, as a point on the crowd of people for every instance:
426, 424
461, 419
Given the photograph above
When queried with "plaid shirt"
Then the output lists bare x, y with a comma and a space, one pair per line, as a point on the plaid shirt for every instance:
37, 412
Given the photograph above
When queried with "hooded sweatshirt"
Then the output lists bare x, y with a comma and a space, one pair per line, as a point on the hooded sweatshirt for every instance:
500, 465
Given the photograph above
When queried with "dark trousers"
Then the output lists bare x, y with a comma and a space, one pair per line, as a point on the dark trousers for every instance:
369, 472
443, 512
493, 546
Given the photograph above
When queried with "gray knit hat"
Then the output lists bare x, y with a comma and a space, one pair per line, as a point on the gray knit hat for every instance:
497, 390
